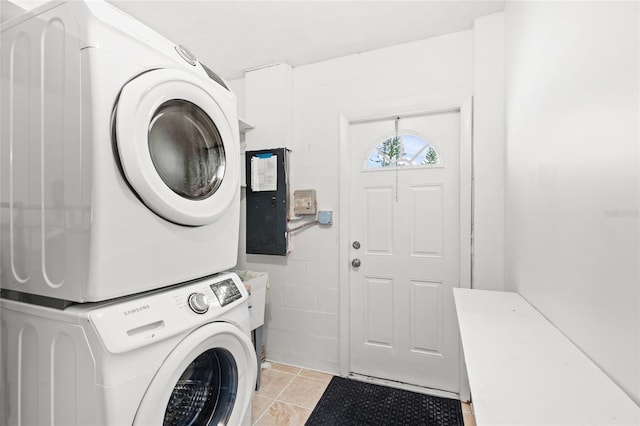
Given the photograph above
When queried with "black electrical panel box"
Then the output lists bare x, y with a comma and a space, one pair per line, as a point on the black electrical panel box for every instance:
267, 201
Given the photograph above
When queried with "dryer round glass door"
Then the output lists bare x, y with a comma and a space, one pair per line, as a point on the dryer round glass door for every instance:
178, 146
186, 149
207, 379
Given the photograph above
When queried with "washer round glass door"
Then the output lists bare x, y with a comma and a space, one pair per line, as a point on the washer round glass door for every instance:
205, 393
208, 379
176, 146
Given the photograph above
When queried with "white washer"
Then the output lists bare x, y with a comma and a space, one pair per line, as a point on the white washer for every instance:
119, 158
150, 359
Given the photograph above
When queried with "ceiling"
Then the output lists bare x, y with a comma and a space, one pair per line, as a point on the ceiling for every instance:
234, 36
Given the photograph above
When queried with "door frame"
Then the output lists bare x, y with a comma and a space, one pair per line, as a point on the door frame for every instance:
465, 109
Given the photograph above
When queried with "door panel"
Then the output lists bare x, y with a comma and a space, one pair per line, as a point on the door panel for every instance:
379, 220
426, 232
379, 312
402, 324
425, 317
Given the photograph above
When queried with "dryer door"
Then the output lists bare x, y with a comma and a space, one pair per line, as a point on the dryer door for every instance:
208, 379
177, 147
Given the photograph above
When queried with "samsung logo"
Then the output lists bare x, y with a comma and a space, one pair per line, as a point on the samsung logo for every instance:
136, 310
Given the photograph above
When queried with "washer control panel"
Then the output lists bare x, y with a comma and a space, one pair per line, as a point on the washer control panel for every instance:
138, 320
198, 302
226, 291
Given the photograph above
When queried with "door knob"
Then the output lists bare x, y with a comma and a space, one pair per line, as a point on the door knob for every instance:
355, 263
356, 245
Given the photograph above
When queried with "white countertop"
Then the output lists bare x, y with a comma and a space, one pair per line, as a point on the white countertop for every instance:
524, 371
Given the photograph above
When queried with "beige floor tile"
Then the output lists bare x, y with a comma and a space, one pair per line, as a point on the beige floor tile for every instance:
259, 406
304, 391
285, 368
469, 419
466, 407
316, 375
273, 382
283, 414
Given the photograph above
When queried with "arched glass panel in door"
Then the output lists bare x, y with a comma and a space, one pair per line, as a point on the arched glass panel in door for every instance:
404, 150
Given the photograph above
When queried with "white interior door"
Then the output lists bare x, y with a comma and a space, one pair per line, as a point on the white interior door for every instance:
406, 220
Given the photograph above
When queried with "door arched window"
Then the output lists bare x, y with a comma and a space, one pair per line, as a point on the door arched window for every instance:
405, 150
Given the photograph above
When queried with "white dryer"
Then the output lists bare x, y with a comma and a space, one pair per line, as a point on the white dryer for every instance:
119, 158
176, 356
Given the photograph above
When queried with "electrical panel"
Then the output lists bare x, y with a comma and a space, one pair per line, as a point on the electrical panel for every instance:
267, 201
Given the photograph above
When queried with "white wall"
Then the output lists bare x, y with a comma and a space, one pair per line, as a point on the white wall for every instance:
9, 10
269, 107
238, 88
488, 153
572, 173
302, 318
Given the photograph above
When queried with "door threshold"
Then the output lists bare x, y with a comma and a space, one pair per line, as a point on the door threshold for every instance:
404, 386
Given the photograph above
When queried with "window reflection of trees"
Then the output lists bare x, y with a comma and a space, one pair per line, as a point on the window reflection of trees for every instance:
403, 150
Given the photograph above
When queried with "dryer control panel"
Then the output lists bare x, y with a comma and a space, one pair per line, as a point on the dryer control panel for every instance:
139, 320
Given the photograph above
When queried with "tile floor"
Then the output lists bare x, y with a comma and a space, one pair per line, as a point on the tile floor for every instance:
467, 414
288, 395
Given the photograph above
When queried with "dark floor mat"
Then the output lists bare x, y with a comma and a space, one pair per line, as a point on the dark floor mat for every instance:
349, 402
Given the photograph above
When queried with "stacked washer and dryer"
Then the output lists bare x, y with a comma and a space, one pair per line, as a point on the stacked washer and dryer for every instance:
119, 192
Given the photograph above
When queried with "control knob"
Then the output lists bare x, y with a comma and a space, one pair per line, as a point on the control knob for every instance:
198, 303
